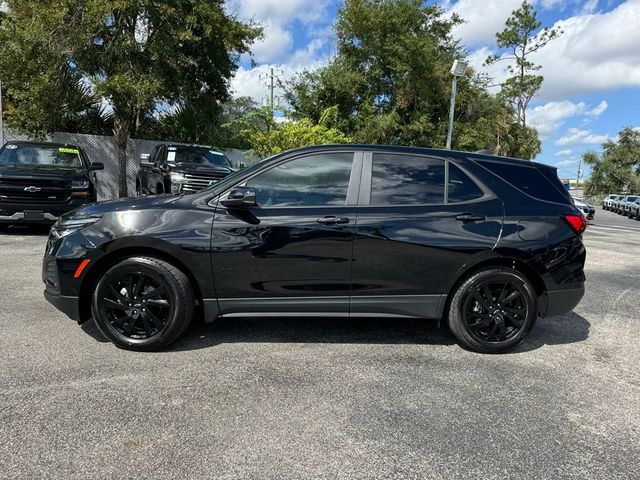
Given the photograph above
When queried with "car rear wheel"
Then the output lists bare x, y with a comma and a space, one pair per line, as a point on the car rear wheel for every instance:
493, 310
143, 304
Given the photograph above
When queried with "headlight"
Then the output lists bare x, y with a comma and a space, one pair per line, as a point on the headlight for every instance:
80, 184
177, 177
64, 227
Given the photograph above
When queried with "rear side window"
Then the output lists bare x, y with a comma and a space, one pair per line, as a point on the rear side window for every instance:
530, 180
461, 187
407, 180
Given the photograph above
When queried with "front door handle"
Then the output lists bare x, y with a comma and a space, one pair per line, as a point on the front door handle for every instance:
470, 217
332, 220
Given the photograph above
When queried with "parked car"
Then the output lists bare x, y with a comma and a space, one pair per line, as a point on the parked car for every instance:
634, 209
487, 243
615, 203
589, 211
181, 169
606, 203
626, 206
39, 182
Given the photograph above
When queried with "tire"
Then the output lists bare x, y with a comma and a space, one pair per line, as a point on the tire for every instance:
159, 189
494, 315
160, 311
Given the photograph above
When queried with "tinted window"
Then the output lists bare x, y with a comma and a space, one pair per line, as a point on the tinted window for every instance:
197, 155
528, 179
407, 180
461, 187
316, 180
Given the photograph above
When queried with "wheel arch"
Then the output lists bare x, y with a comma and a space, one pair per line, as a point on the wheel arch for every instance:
116, 255
510, 262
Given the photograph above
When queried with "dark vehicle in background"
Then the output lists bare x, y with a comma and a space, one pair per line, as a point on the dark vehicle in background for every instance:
181, 169
488, 244
589, 211
39, 182
606, 202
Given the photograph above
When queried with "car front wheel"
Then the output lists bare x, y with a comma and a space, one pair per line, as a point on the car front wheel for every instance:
143, 304
493, 311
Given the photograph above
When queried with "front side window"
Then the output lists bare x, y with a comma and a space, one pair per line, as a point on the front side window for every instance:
407, 180
316, 180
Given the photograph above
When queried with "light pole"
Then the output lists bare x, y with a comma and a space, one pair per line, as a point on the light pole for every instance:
458, 69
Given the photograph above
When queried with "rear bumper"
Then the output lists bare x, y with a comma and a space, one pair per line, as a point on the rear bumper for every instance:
558, 302
67, 305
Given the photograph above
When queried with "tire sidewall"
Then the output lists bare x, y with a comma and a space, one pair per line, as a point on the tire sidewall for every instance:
180, 309
457, 319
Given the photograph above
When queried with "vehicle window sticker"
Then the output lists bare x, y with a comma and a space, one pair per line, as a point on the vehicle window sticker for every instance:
68, 150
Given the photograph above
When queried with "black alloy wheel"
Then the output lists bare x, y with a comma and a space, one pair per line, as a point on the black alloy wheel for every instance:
143, 303
493, 310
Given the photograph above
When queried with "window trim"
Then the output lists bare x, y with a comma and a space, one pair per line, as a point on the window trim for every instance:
367, 182
352, 188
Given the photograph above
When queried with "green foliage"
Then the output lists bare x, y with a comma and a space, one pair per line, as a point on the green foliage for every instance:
134, 54
268, 136
390, 83
521, 38
617, 168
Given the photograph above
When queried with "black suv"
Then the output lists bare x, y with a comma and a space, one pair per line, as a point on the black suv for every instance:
486, 243
41, 181
181, 169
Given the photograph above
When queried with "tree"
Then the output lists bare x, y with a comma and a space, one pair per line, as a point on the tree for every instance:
269, 136
617, 167
390, 82
522, 38
134, 54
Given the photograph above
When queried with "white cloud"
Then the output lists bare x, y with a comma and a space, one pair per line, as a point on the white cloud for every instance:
597, 50
549, 117
599, 110
576, 136
564, 153
566, 163
276, 49
482, 19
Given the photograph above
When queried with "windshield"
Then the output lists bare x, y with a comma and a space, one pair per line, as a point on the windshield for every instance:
632, 199
46, 155
199, 156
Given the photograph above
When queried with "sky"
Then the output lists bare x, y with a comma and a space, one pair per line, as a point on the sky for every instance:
592, 71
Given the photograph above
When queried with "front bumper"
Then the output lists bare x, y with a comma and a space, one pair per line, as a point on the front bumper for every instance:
67, 305
38, 212
25, 217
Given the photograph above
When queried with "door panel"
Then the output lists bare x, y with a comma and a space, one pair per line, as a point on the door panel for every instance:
293, 251
402, 248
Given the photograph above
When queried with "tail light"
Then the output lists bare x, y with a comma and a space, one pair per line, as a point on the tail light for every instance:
577, 222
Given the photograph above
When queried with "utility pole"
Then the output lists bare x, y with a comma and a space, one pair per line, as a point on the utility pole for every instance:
579, 174
1, 119
272, 82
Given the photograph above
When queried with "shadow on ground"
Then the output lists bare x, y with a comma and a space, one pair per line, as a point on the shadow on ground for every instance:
34, 230
561, 330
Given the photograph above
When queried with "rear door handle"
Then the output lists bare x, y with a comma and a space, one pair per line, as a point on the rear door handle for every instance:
332, 220
470, 217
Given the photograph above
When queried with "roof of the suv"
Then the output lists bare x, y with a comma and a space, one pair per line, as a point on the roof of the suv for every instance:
456, 154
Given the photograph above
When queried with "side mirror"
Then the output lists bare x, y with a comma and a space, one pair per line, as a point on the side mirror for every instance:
147, 164
240, 197
96, 166
242, 165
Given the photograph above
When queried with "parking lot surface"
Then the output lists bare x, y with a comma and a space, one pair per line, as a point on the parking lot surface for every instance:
325, 398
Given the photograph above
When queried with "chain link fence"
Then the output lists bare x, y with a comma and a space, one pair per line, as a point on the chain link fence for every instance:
104, 149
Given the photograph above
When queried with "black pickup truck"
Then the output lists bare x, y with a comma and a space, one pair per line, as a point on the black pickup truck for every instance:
41, 181
181, 169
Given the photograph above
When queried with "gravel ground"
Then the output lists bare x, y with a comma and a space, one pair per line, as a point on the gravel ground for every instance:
328, 398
